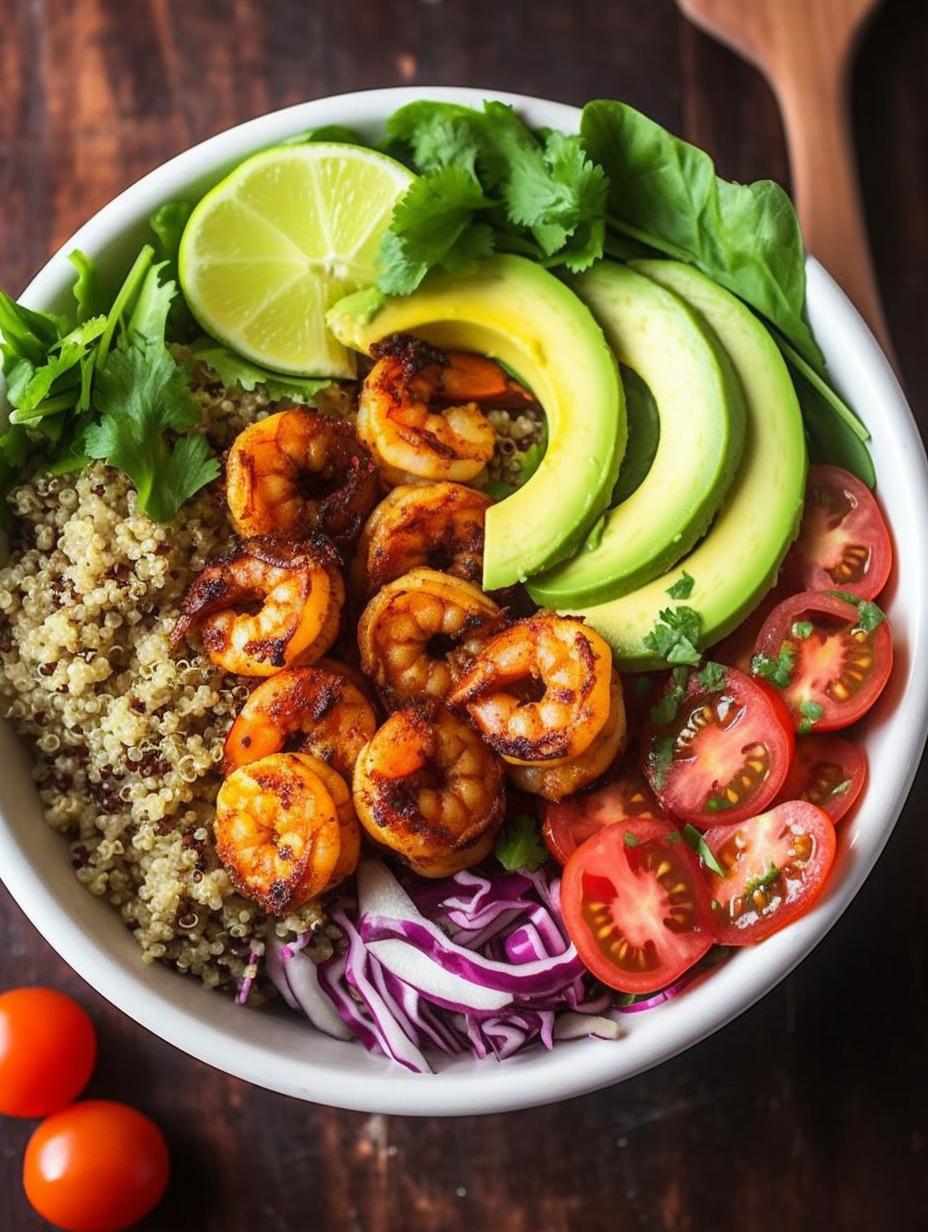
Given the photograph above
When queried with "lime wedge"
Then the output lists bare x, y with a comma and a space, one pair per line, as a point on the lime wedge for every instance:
278, 241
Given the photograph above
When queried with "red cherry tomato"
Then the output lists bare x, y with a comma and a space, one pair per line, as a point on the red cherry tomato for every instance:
828, 772
725, 753
571, 822
47, 1051
843, 541
833, 670
776, 867
635, 905
96, 1167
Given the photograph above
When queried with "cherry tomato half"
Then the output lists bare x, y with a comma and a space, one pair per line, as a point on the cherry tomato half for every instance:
571, 822
828, 772
776, 867
47, 1051
833, 670
737, 649
96, 1167
635, 905
843, 541
725, 753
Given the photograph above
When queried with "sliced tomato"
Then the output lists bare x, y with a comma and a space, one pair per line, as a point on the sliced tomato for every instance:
571, 822
828, 772
843, 541
776, 866
737, 649
724, 755
832, 669
635, 905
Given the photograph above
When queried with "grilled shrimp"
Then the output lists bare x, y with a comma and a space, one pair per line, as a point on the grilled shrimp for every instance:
277, 831
538, 691
434, 524
427, 787
411, 440
410, 630
349, 832
297, 472
554, 782
300, 591
306, 710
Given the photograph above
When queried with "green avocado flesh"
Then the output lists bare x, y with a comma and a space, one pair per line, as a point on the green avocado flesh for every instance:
737, 562
701, 411
516, 312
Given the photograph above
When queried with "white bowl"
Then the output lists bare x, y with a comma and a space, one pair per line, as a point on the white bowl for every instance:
282, 1052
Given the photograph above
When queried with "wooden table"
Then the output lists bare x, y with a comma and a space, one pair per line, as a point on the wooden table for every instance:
811, 1111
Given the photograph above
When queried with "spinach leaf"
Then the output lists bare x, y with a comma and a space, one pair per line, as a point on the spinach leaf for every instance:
664, 192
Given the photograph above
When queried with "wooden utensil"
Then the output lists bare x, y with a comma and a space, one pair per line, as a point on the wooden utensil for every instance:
805, 49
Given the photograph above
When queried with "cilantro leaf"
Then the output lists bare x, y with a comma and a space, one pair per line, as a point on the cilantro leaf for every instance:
811, 712
697, 841
675, 636
233, 371
779, 670
28, 398
660, 755
630, 840
89, 299
869, 616
519, 846
438, 135
142, 394
712, 676
665, 710
803, 629
682, 587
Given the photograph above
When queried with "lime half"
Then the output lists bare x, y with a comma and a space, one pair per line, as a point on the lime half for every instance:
283, 237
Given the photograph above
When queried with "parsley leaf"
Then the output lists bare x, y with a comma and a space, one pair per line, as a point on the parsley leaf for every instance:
142, 393
675, 636
778, 671
697, 842
712, 676
519, 847
682, 587
811, 712
233, 371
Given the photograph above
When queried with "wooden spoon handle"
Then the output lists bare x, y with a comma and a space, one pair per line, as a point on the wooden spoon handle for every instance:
812, 89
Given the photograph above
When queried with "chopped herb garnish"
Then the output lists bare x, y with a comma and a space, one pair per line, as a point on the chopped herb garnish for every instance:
661, 755
803, 629
631, 840
869, 616
712, 676
682, 587
761, 881
811, 712
675, 636
698, 843
519, 846
665, 709
839, 789
674, 836
779, 670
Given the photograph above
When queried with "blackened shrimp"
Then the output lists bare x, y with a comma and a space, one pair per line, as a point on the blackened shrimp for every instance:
554, 782
277, 832
297, 472
307, 710
428, 788
298, 588
349, 832
538, 691
411, 630
435, 524
418, 412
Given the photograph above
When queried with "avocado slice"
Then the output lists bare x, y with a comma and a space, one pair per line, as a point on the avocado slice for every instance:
737, 562
516, 312
701, 410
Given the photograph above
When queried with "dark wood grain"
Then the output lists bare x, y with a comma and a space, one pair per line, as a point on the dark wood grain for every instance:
812, 1110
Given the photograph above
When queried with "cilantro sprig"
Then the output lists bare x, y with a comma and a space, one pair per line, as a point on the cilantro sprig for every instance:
675, 636
519, 846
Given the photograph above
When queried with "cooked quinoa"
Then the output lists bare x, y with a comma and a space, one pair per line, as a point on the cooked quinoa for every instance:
127, 729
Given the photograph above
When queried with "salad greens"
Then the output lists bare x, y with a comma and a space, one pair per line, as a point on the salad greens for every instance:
519, 847
100, 381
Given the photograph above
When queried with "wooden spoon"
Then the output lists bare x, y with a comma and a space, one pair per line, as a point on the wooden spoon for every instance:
806, 48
